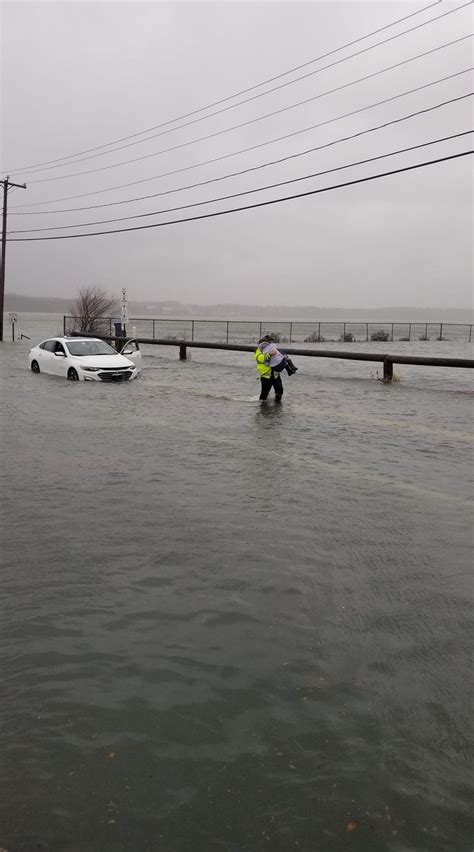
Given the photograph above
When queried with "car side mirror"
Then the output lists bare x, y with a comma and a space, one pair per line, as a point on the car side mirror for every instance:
60, 354
127, 352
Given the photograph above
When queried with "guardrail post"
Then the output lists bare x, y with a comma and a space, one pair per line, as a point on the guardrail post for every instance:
426, 331
441, 331
387, 369
367, 332
470, 333
182, 352
319, 332
260, 332
409, 331
153, 329
344, 332
291, 330
227, 331
392, 333
192, 329
64, 325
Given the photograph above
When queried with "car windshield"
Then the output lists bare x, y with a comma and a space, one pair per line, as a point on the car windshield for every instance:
89, 347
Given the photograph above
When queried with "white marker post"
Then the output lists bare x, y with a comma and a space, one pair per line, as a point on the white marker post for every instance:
124, 316
12, 318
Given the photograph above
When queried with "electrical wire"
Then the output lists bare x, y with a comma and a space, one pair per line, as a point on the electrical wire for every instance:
247, 206
250, 121
251, 147
249, 169
246, 100
235, 95
245, 192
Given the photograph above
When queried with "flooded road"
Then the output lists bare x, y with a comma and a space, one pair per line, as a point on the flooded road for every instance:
227, 626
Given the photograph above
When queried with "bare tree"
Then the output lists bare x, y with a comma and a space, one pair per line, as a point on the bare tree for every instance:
92, 309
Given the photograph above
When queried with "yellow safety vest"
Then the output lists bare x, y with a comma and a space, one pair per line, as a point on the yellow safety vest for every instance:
263, 364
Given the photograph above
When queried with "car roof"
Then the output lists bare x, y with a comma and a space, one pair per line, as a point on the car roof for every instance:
69, 339
81, 339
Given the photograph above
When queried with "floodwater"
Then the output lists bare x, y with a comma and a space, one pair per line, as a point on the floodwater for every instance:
228, 626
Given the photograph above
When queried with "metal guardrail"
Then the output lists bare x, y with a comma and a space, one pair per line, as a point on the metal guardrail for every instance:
388, 360
298, 331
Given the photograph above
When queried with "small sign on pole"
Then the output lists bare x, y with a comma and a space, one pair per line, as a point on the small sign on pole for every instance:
12, 319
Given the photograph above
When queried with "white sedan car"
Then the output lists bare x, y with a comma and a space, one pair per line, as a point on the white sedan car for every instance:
85, 359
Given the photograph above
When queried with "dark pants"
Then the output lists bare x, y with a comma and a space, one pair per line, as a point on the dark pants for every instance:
285, 364
273, 382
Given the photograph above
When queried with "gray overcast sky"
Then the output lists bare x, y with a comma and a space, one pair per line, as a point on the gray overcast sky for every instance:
77, 75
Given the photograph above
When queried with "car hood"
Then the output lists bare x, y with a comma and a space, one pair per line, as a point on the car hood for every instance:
103, 361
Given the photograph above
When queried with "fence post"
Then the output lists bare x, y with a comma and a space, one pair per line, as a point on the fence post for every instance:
344, 332
227, 331
409, 331
367, 332
426, 331
182, 352
260, 332
387, 369
470, 333
441, 331
319, 332
291, 331
192, 329
64, 325
392, 333
153, 329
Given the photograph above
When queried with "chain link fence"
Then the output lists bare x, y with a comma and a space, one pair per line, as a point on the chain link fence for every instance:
236, 331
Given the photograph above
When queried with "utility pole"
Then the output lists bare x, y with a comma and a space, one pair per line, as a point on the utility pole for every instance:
124, 312
6, 186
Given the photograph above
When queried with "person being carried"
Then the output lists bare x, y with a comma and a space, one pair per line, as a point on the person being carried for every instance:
270, 364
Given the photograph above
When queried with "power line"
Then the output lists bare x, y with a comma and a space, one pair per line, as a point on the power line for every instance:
247, 206
48, 167
250, 121
236, 94
250, 168
253, 147
248, 191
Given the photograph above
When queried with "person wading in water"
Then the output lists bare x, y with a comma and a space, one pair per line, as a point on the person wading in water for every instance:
270, 364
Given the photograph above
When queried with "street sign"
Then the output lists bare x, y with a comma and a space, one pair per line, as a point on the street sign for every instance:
12, 318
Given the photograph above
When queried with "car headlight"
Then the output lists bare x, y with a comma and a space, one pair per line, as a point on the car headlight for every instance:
91, 369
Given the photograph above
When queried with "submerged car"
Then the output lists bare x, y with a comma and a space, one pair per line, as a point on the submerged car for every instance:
85, 359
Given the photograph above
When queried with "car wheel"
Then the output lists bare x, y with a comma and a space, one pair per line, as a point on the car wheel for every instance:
35, 367
72, 375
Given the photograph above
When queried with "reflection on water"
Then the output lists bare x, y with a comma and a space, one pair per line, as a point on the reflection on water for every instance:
269, 413
228, 625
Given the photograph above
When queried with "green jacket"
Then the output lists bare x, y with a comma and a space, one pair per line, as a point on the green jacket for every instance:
263, 364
